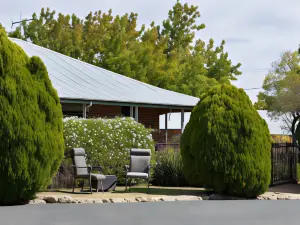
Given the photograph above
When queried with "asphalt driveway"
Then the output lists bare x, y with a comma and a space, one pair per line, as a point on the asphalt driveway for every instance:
173, 213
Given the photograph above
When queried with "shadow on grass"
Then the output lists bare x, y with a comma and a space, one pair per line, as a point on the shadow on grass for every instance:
70, 191
291, 188
167, 191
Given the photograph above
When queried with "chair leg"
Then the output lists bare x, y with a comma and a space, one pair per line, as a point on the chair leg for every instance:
91, 185
102, 187
74, 181
82, 185
130, 185
148, 185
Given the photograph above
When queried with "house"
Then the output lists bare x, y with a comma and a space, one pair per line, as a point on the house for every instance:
89, 91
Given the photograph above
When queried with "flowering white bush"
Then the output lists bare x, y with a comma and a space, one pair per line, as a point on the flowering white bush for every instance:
107, 142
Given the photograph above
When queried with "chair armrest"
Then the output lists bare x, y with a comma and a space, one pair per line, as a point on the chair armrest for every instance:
149, 168
99, 168
81, 167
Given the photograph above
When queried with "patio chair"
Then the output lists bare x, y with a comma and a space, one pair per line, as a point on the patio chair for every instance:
82, 171
139, 166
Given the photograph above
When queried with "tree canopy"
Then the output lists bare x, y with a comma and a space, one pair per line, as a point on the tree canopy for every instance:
167, 56
281, 95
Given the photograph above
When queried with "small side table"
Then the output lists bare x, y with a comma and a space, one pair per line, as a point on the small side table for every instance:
109, 183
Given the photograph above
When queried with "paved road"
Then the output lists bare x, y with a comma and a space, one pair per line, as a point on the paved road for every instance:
173, 213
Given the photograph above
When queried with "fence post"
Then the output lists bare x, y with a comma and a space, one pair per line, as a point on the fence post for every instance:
296, 152
272, 165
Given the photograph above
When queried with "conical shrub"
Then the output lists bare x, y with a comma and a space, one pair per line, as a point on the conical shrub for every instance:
31, 135
226, 145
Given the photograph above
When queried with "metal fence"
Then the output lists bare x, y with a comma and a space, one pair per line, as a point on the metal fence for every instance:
284, 158
63, 178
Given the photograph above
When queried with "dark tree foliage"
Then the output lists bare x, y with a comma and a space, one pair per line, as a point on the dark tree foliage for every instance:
32, 145
169, 56
226, 144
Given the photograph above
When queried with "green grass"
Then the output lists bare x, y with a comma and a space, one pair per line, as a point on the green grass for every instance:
167, 190
142, 189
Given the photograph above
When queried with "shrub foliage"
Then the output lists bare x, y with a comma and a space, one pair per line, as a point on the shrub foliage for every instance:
168, 170
226, 145
107, 142
31, 146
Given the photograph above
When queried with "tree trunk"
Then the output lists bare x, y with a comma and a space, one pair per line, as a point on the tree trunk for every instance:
293, 130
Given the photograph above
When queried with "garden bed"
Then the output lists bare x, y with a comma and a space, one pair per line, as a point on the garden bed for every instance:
158, 194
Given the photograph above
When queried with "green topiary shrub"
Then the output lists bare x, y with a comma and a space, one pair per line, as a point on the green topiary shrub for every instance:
31, 132
298, 172
226, 146
107, 142
168, 170
297, 134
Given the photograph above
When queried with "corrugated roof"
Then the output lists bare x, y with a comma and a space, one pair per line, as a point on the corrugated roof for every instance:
77, 80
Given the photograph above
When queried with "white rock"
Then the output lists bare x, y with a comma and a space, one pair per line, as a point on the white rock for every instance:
88, 201
298, 197
130, 200
168, 198
149, 199
37, 201
98, 201
271, 197
158, 199
280, 197
51, 199
141, 199
106, 200
260, 197
117, 200
65, 199
187, 198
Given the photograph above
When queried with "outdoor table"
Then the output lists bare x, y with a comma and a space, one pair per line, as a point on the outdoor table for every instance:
108, 184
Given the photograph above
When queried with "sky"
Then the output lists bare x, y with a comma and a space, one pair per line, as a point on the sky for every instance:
256, 32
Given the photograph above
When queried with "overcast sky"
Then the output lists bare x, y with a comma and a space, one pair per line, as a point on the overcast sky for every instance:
256, 31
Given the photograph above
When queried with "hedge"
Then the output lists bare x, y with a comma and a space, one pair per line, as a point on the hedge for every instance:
107, 141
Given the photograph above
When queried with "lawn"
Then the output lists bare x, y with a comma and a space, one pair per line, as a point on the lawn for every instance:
136, 191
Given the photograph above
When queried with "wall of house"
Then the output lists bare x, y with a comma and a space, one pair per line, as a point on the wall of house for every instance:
108, 111
149, 117
173, 136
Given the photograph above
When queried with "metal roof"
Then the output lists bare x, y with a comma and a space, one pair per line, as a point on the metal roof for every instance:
77, 81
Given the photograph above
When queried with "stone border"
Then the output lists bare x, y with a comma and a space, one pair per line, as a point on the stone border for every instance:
68, 199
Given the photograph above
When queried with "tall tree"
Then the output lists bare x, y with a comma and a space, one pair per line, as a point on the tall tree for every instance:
199, 65
167, 56
181, 25
281, 95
